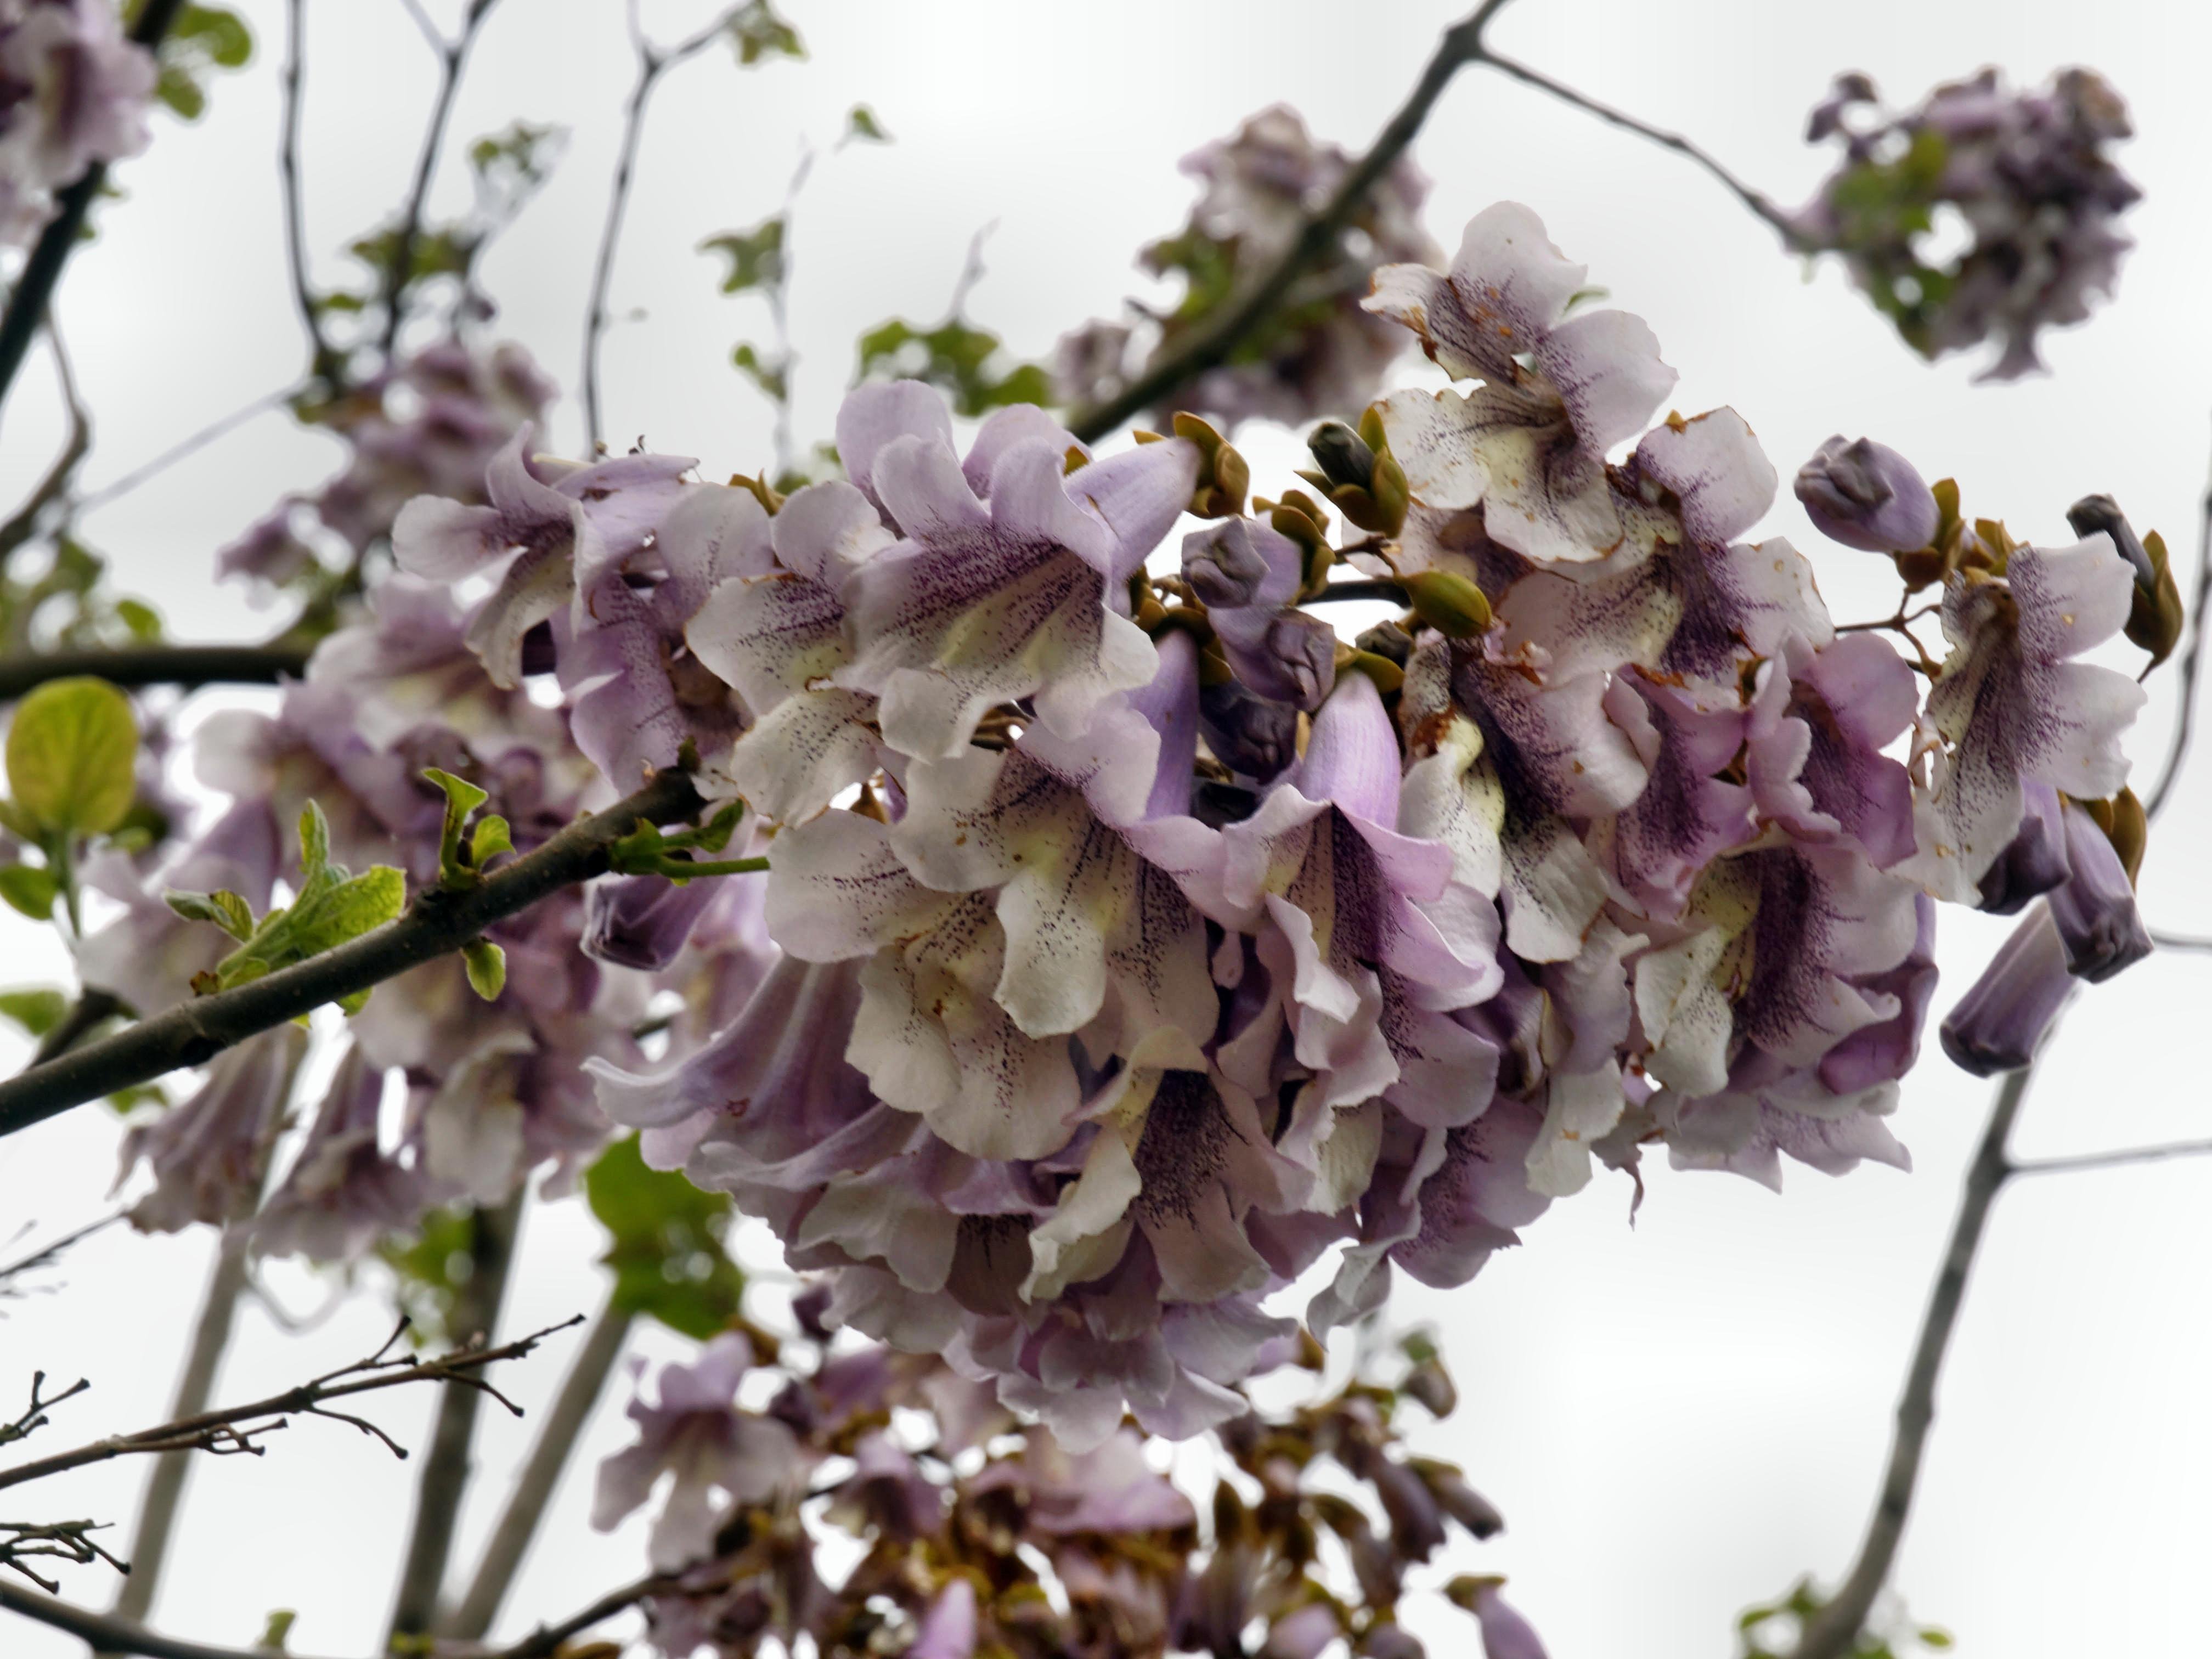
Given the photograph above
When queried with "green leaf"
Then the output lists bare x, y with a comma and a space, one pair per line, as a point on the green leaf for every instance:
770, 376
141, 618
490, 839
487, 967
180, 93
315, 846
225, 908
967, 363
431, 1268
664, 1242
462, 797
860, 122
755, 32
30, 888
202, 39
37, 1011
756, 256
72, 756
346, 911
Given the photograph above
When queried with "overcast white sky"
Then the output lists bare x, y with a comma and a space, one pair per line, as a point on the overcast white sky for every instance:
1677, 1419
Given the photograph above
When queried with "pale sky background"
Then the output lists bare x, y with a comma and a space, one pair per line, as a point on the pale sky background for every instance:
1677, 1419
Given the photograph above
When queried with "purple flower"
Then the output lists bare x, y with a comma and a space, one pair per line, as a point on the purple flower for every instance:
1007, 581
1506, 1633
1529, 444
73, 91
1867, 496
1996, 1025
2035, 860
342, 1193
697, 1433
642, 922
1248, 576
2013, 708
2095, 906
1820, 723
209, 1154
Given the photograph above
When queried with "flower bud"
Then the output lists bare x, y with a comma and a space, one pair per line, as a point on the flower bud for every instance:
1867, 496
2095, 909
1247, 733
2101, 515
1460, 1501
1223, 566
1448, 601
1506, 1633
1996, 1025
1342, 454
642, 922
2035, 861
1303, 1633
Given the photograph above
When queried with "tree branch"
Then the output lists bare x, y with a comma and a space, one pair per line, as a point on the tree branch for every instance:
42, 271
436, 923
165, 1485
653, 63
1760, 207
2113, 1160
156, 664
533, 1488
122, 1636
1461, 45
452, 54
325, 361
233, 1429
446, 1471
1833, 1633
23, 524
2192, 663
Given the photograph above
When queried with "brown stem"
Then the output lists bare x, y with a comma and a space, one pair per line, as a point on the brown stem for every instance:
2192, 663
1833, 1633
453, 55
446, 1471
42, 271
1317, 237
165, 1486
155, 664
533, 1488
437, 923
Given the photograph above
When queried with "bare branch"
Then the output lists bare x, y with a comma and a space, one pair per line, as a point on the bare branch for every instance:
436, 923
33, 1417
46, 1254
1461, 45
453, 55
24, 523
42, 271
1833, 1633
186, 448
2112, 1160
541, 1473
2192, 663
446, 1471
156, 664
231, 1429
653, 63
1771, 216
327, 362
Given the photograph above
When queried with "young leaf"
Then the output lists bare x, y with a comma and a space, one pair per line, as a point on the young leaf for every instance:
37, 1011
487, 967
756, 256
72, 754
30, 888
756, 32
490, 839
462, 797
225, 909
860, 122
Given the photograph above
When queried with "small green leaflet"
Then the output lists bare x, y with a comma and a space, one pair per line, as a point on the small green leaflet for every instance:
664, 1242
72, 757
487, 967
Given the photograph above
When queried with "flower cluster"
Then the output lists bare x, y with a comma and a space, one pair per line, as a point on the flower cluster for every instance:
2027, 174
975, 1536
73, 91
1322, 356
1135, 941
429, 425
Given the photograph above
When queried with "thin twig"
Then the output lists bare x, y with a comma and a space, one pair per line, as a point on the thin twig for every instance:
186, 448
42, 271
453, 55
541, 1473
1317, 238
1352, 591
447, 1470
2192, 663
327, 362
437, 923
1773, 217
653, 63
24, 523
2113, 1160
122, 1636
231, 1429
1833, 1633
45, 1254
156, 664
2178, 941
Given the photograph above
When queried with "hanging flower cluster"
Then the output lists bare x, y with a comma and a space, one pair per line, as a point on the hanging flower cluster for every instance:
1323, 354
2026, 173
73, 91
983, 1537
1136, 942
